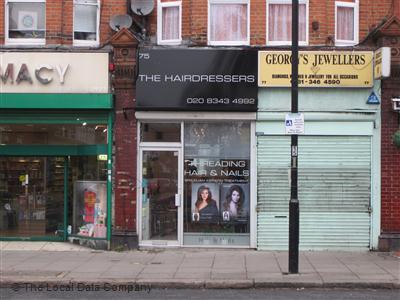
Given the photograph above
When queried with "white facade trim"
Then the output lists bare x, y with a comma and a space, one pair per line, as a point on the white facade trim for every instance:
22, 41
355, 6
84, 43
160, 6
286, 43
228, 43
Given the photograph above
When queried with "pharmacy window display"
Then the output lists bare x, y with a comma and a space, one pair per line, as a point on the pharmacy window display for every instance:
217, 183
90, 207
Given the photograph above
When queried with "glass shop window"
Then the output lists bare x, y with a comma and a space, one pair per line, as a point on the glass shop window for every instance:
228, 22
217, 183
346, 23
88, 185
280, 22
32, 196
86, 22
169, 22
57, 134
160, 132
25, 22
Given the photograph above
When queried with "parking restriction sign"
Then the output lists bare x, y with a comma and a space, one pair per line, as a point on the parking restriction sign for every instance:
294, 123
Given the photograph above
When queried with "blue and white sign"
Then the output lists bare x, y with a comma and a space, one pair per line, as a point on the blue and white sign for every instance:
294, 123
373, 99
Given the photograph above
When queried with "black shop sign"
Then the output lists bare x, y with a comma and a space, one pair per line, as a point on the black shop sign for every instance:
197, 80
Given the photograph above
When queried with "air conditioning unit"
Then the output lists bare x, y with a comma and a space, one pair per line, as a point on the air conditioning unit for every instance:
396, 104
27, 20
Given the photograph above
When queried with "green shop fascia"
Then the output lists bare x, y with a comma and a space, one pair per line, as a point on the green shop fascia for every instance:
56, 116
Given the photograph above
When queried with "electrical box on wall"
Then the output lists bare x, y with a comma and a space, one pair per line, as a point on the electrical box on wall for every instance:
396, 104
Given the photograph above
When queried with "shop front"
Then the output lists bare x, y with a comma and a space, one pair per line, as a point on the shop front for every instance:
338, 151
196, 147
55, 147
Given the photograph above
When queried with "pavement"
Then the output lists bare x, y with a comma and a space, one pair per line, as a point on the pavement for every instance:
55, 264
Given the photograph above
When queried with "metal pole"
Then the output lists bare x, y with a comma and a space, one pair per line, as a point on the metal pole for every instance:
294, 202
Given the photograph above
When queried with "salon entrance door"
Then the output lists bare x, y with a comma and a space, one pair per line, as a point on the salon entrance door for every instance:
160, 209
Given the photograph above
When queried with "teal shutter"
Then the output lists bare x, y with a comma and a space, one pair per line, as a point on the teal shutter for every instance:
334, 191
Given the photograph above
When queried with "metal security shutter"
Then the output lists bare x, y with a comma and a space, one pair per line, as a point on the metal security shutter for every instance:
273, 192
334, 191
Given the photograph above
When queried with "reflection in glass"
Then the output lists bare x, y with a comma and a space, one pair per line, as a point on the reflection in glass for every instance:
228, 139
217, 159
160, 184
58, 134
88, 192
160, 132
31, 196
27, 20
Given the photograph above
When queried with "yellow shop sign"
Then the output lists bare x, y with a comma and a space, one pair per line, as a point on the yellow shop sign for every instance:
316, 69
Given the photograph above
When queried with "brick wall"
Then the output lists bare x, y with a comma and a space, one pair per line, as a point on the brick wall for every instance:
59, 20
195, 18
125, 161
194, 21
390, 159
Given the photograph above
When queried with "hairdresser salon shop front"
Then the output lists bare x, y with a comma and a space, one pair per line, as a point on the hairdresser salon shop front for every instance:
196, 116
55, 136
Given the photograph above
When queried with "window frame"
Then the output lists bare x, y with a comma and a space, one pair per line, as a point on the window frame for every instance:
356, 8
286, 43
86, 43
160, 6
228, 43
21, 41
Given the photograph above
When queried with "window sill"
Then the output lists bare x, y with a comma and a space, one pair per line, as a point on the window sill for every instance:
345, 43
170, 42
92, 44
25, 42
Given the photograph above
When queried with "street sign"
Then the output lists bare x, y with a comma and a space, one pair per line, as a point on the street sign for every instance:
294, 123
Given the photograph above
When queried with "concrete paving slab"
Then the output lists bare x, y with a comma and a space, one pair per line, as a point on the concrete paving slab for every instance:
226, 283
203, 267
81, 276
155, 275
231, 260
29, 273
53, 246
228, 270
260, 261
28, 246
159, 270
377, 277
61, 266
120, 266
339, 277
391, 266
29, 267
193, 275
118, 275
98, 268
188, 269
199, 255
172, 283
228, 276
197, 262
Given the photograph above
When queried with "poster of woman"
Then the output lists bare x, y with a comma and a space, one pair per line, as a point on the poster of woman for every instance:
235, 202
205, 202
